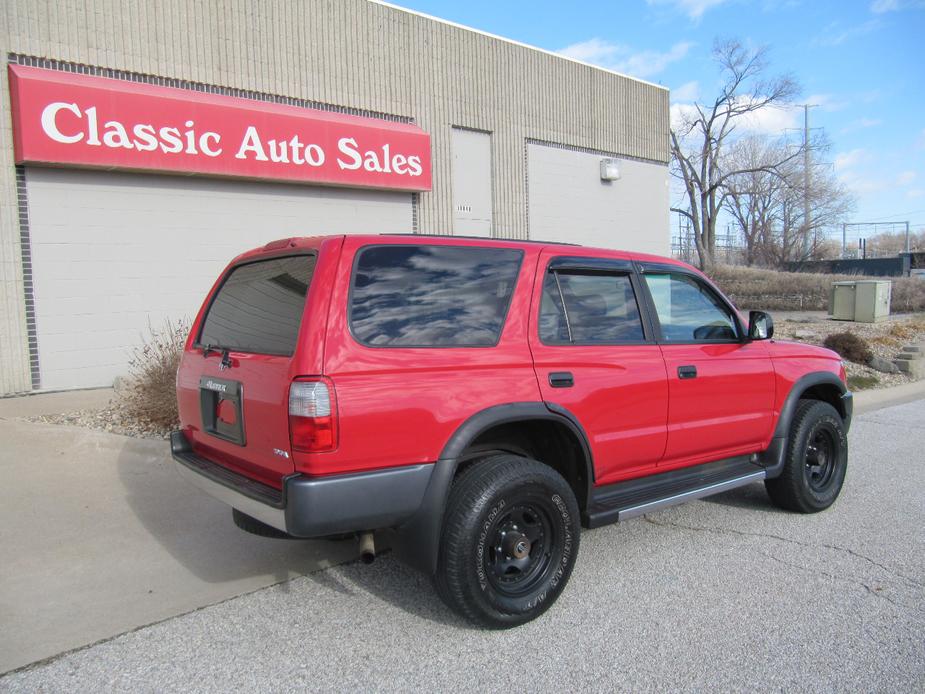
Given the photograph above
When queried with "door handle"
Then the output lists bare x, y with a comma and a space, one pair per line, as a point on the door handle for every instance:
561, 379
687, 372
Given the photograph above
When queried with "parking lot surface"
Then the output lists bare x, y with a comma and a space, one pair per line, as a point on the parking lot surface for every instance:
725, 594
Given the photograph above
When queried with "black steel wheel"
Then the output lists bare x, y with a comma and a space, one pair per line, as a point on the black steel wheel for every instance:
816, 462
509, 541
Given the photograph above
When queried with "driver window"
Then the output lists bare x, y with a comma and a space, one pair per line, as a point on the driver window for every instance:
688, 311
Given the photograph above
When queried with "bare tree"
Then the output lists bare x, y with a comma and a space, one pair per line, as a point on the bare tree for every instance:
752, 193
765, 198
699, 137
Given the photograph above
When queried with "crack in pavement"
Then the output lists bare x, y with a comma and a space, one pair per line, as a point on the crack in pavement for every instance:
780, 538
851, 580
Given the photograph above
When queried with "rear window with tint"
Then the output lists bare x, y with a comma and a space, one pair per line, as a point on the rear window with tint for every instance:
432, 296
259, 307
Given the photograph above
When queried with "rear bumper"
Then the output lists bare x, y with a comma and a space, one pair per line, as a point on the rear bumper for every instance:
311, 506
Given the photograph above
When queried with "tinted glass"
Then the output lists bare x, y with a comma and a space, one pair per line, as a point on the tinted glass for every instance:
599, 309
259, 306
688, 310
432, 296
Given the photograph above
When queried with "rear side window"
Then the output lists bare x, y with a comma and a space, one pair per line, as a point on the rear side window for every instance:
259, 306
432, 296
600, 308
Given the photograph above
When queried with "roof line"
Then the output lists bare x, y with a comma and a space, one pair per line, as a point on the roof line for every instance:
513, 42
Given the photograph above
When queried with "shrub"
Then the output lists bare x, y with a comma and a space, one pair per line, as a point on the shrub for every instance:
149, 395
862, 382
849, 346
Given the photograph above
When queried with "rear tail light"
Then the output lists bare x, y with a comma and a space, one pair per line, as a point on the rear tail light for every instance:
312, 415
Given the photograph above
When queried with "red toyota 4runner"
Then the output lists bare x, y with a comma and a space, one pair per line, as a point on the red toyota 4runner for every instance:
484, 399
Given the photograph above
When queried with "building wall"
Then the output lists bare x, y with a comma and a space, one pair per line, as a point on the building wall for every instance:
116, 253
569, 202
350, 53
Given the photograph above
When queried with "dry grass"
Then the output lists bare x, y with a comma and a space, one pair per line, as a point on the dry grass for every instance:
771, 289
149, 396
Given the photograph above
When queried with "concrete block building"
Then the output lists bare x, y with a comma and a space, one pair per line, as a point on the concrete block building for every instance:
143, 145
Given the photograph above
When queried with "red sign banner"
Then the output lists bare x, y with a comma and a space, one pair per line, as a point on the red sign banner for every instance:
69, 119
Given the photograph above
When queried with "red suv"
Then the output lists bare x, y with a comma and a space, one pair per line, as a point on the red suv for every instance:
482, 400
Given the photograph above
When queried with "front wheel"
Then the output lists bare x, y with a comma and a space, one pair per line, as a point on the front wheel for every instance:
509, 541
817, 458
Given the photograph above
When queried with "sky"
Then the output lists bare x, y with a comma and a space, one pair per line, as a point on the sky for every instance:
861, 63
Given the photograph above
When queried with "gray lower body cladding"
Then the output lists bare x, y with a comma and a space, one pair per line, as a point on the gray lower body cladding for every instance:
311, 506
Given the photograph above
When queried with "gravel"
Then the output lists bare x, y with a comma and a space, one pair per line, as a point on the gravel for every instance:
886, 340
725, 594
111, 419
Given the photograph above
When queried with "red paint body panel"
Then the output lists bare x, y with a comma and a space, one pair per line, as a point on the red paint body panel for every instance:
726, 408
620, 394
400, 406
63, 118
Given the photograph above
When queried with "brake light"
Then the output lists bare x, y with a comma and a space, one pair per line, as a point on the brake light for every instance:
312, 415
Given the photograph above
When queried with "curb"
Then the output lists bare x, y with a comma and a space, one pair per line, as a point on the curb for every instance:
871, 400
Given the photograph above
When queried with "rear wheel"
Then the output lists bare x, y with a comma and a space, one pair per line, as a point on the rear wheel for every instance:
510, 539
817, 458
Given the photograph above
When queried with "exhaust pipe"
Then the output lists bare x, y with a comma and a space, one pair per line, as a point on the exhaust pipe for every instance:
367, 548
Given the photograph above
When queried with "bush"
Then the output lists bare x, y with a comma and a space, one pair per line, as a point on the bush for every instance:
849, 346
149, 395
759, 288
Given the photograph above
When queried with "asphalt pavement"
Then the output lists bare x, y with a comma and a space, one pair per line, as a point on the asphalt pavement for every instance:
724, 594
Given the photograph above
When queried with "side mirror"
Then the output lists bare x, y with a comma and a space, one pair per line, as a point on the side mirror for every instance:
760, 325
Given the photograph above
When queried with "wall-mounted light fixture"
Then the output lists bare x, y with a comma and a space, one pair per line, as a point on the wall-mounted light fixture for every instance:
610, 170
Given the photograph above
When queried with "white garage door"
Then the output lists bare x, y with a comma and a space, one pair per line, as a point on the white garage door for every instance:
569, 202
113, 254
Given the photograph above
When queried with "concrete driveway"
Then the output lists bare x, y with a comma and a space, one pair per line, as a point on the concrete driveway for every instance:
727, 593
99, 535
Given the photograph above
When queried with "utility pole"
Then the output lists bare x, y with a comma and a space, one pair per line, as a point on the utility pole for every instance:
908, 247
807, 225
844, 240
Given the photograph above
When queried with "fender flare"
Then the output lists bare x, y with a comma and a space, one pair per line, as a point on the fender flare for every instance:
417, 541
775, 456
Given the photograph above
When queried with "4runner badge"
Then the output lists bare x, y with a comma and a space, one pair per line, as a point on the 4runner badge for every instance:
281, 453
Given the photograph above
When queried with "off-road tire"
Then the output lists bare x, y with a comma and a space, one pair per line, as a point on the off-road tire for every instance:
527, 510
816, 462
255, 527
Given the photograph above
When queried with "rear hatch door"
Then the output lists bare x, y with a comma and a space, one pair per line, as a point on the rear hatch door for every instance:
233, 384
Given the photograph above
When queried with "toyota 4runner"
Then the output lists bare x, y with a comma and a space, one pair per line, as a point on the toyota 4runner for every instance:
483, 400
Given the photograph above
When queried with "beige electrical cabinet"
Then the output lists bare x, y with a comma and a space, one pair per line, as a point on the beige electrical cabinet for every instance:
841, 300
864, 301
872, 300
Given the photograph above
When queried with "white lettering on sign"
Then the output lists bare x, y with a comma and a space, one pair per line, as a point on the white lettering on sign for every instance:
115, 134
90, 121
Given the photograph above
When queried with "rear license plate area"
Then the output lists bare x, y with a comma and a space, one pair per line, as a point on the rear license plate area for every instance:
221, 405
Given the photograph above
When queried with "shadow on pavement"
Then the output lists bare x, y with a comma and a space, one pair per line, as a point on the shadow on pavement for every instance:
391, 581
751, 496
198, 531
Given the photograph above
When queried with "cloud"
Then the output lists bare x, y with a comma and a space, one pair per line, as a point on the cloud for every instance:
826, 102
694, 9
770, 120
860, 124
915, 193
884, 6
881, 6
904, 178
620, 58
689, 91
835, 35
846, 160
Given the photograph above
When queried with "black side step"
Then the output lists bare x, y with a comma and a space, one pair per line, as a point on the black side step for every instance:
623, 500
